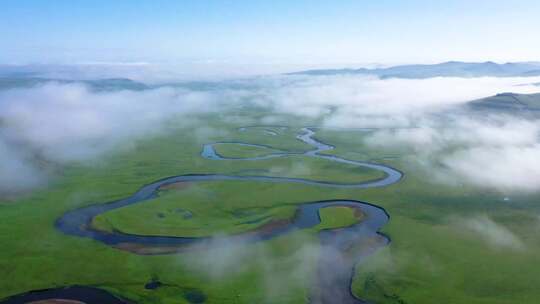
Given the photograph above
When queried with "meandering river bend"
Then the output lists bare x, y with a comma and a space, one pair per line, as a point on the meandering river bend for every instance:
335, 266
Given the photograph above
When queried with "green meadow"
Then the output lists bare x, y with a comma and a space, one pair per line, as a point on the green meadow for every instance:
434, 255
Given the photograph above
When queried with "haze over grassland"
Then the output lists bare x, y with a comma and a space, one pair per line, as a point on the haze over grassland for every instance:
53, 122
321, 152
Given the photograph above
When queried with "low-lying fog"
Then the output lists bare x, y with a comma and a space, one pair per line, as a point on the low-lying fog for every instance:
61, 123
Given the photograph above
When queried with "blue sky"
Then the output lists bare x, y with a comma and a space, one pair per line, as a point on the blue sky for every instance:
279, 31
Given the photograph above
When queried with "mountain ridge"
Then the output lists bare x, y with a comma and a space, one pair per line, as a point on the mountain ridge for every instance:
444, 69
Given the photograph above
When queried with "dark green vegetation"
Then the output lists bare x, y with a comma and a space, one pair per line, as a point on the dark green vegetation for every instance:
433, 257
509, 103
232, 150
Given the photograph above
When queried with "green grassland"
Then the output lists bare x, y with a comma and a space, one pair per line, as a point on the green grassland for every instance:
338, 217
350, 144
432, 257
215, 208
37, 256
232, 150
442, 261
203, 209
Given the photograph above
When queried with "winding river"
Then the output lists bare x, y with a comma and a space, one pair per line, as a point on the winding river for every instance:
335, 266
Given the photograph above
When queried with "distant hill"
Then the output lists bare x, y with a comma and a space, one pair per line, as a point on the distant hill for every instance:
446, 69
113, 84
510, 103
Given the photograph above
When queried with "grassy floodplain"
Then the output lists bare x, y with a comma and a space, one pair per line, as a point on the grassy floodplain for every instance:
232, 150
337, 217
433, 258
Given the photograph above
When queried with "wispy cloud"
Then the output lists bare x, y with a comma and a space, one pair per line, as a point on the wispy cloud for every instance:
494, 151
62, 123
497, 152
359, 101
491, 232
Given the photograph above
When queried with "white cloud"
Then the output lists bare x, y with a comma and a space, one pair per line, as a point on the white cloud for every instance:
359, 99
223, 258
504, 168
496, 152
16, 173
495, 234
65, 123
